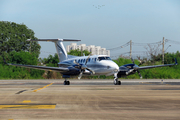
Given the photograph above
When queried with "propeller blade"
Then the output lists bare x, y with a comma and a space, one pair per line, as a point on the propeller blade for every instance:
80, 75
75, 62
139, 74
83, 67
141, 62
90, 70
128, 72
87, 59
132, 60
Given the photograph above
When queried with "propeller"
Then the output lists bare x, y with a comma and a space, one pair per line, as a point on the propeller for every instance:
132, 60
83, 67
137, 66
139, 74
141, 62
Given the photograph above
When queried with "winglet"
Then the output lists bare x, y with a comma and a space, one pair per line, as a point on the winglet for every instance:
176, 62
5, 61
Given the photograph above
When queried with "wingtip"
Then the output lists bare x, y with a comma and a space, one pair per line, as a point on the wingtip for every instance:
176, 62
28, 40
5, 61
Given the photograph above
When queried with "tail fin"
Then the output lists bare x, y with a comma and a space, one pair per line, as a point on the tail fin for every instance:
61, 51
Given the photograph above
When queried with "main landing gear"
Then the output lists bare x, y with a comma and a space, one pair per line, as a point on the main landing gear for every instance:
116, 82
66, 82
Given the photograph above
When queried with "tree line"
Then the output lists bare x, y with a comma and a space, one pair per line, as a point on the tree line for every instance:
15, 49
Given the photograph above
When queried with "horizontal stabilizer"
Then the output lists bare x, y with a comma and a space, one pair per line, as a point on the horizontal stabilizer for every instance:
61, 51
54, 40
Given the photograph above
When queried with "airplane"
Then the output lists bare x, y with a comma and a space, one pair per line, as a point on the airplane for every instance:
88, 65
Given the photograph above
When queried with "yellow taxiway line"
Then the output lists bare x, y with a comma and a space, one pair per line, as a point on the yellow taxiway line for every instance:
27, 106
42, 87
26, 101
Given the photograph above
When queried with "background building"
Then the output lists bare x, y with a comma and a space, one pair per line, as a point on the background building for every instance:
95, 50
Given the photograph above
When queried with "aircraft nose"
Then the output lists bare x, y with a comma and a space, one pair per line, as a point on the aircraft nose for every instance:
113, 66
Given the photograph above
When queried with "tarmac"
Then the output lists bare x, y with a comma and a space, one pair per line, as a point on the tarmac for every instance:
136, 99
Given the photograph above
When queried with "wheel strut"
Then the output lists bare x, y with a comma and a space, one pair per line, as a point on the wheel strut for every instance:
116, 82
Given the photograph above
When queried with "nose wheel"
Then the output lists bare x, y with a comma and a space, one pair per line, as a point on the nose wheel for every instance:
116, 82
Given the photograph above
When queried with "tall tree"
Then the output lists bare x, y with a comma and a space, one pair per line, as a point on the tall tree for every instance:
51, 60
13, 37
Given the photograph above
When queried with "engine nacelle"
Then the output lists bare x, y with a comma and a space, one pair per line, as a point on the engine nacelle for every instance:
121, 74
126, 73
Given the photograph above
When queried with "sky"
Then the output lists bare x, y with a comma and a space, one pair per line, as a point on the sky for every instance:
105, 23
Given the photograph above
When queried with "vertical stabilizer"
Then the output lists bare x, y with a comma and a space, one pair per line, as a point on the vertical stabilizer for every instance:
61, 51
62, 54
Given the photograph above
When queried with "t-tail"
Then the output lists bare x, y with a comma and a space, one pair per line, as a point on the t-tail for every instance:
61, 51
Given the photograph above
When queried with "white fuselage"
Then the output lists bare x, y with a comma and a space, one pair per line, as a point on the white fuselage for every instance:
100, 64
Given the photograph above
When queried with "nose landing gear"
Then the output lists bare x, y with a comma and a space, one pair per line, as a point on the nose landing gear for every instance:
116, 82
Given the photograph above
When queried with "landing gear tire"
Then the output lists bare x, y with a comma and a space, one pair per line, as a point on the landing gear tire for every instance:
66, 83
119, 82
116, 82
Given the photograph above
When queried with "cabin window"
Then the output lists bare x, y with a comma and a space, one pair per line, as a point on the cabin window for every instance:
108, 58
81, 60
84, 60
104, 58
101, 58
78, 61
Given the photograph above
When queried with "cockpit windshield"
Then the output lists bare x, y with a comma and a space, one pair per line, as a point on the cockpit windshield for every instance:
104, 58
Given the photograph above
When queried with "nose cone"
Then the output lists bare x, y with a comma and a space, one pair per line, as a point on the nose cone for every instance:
115, 66
111, 65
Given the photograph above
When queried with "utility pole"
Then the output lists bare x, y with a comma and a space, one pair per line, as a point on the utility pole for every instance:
130, 48
163, 51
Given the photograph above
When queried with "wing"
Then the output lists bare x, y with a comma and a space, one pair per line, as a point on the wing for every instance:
57, 69
155, 66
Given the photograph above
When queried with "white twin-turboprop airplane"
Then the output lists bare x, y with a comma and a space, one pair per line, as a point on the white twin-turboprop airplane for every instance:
88, 65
